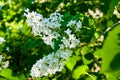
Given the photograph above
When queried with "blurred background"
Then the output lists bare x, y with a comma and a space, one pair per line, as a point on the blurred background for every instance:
99, 50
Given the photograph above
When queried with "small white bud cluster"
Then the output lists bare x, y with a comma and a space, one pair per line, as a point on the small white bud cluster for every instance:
95, 14
1, 40
3, 63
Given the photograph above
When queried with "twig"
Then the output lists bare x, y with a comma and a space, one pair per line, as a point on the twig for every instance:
109, 29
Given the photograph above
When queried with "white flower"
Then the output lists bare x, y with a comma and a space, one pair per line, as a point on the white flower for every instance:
55, 34
71, 23
1, 58
68, 31
6, 64
64, 54
41, 1
50, 29
1, 40
75, 24
116, 12
47, 39
35, 20
66, 42
61, 46
71, 36
50, 64
56, 16
78, 25
26, 10
74, 41
3, 63
44, 26
95, 14
55, 19
71, 42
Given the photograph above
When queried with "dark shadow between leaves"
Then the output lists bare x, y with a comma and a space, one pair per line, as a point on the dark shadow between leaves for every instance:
119, 38
115, 64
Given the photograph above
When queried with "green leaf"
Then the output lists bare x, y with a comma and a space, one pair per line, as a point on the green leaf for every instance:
30, 43
80, 70
7, 73
66, 18
109, 23
110, 76
56, 45
98, 53
111, 55
54, 79
77, 52
22, 77
72, 62
85, 50
91, 77
3, 79
87, 61
87, 33
87, 57
75, 17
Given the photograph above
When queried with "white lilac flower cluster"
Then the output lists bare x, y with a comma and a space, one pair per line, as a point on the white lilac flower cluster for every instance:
41, 1
44, 26
70, 42
73, 23
1, 40
116, 12
50, 64
50, 29
3, 63
95, 14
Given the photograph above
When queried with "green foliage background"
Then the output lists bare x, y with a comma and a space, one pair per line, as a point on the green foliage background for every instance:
22, 48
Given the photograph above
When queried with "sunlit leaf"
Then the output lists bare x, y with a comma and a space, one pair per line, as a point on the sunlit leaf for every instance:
7, 73
80, 70
22, 77
86, 55
111, 55
85, 50
71, 63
